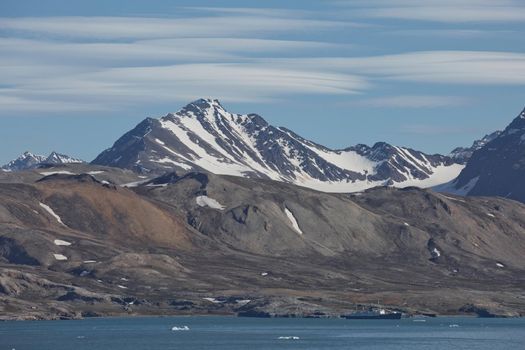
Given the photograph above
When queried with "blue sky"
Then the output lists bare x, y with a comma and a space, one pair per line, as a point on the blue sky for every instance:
431, 75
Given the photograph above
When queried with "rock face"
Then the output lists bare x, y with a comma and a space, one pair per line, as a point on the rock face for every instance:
463, 154
497, 168
73, 245
204, 136
30, 161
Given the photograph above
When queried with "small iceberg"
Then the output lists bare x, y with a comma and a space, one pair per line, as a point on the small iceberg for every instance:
183, 328
289, 338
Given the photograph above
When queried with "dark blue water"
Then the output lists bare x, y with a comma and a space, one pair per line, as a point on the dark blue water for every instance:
253, 334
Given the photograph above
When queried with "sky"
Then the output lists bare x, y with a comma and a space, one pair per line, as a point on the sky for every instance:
431, 75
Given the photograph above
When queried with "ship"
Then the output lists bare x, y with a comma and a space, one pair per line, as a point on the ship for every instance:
376, 314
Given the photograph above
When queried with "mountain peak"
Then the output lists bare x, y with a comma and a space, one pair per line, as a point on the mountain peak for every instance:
205, 103
203, 108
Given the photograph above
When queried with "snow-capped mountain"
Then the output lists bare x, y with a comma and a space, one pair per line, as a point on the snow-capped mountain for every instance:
496, 169
29, 160
463, 154
204, 136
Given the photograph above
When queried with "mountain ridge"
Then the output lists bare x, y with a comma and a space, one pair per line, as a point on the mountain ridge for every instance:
28, 160
204, 136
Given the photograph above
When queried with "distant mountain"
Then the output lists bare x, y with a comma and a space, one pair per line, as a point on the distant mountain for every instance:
57, 158
204, 136
29, 160
462, 154
497, 168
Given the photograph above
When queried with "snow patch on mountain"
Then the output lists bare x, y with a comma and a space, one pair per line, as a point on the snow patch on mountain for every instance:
205, 201
52, 213
61, 242
60, 257
63, 172
293, 221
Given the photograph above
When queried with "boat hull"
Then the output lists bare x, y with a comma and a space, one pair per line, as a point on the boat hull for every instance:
392, 316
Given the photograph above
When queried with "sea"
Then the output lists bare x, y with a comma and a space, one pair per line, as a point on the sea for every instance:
231, 333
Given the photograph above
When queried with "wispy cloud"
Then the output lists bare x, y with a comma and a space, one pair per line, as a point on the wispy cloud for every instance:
450, 67
109, 62
253, 11
18, 50
413, 101
134, 28
428, 129
20, 104
449, 34
122, 61
441, 11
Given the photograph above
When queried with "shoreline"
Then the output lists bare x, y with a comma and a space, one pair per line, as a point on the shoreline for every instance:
138, 316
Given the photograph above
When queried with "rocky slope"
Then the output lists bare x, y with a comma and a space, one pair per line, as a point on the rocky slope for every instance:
74, 245
204, 136
497, 168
